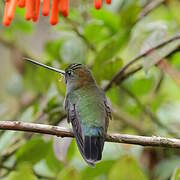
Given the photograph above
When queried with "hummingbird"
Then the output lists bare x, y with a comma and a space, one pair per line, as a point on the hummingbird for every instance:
87, 110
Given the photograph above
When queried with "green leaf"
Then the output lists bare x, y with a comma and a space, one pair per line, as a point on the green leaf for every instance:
52, 104
37, 78
109, 53
116, 96
129, 13
69, 172
95, 32
32, 151
175, 59
109, 69
127, 168
76, 15
41, 168
27, 115
161, 13
101, 169
53, 164
103, 54
110, 19
52, 49
6, 140
140, 86
174, 7
24, 172
176, 174
166, 166
157, 102
111, 47
71, 151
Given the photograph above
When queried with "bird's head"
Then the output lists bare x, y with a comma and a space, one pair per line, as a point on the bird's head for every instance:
77, 76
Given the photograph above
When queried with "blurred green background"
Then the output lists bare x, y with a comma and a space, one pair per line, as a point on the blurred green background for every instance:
146, 103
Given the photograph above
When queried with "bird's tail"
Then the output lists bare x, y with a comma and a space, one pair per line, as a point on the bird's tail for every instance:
93, 147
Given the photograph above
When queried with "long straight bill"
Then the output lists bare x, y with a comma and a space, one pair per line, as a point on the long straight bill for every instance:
45, 66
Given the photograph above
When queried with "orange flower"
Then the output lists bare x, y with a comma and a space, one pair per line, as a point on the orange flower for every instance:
6, 20
11, 9
64, 7
21, 3
37, 9
45, 8
30, 8
54, 12
33, 8
108, 1
98, 4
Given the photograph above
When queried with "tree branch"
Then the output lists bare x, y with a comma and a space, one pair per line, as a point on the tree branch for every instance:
116, 138
149, 7
117, 78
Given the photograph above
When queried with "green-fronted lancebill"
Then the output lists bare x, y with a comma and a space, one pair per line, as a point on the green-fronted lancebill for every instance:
87, 110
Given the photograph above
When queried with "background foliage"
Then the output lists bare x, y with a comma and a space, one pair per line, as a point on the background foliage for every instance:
146, 103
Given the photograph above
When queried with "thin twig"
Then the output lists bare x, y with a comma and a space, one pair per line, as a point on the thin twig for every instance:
121, 73
169, 70
159, 83
125, 76
149, 8
116, 138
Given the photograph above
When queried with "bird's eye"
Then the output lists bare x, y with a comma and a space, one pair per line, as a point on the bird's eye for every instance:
69, 73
